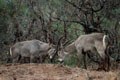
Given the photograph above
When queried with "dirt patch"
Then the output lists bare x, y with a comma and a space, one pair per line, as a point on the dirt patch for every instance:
52, 72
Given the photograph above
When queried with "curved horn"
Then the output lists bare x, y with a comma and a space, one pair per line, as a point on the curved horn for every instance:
57, 48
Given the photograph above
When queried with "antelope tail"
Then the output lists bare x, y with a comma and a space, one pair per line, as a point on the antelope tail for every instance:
104, 41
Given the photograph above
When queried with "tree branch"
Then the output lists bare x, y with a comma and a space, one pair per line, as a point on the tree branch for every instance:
73, 4
82, 23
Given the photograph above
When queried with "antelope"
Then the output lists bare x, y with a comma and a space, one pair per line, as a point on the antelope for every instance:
32, 49
85, 45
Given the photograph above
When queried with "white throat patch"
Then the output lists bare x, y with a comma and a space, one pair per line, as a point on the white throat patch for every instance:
60, 60
51, 57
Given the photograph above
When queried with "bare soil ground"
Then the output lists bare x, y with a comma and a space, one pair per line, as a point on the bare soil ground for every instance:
53, 72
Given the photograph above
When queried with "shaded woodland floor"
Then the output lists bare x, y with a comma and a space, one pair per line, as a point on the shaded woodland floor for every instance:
53, 72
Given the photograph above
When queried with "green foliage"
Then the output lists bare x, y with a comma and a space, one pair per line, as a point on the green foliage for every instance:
108, 23
71, 60
75, 30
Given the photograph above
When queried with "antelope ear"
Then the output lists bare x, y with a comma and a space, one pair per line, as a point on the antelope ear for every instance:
66, 53
54, 46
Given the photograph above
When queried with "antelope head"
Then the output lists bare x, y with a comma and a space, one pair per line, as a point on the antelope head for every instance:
51, 52
58, 50
62, 53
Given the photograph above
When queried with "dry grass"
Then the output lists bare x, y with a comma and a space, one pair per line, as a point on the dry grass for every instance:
53, 72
